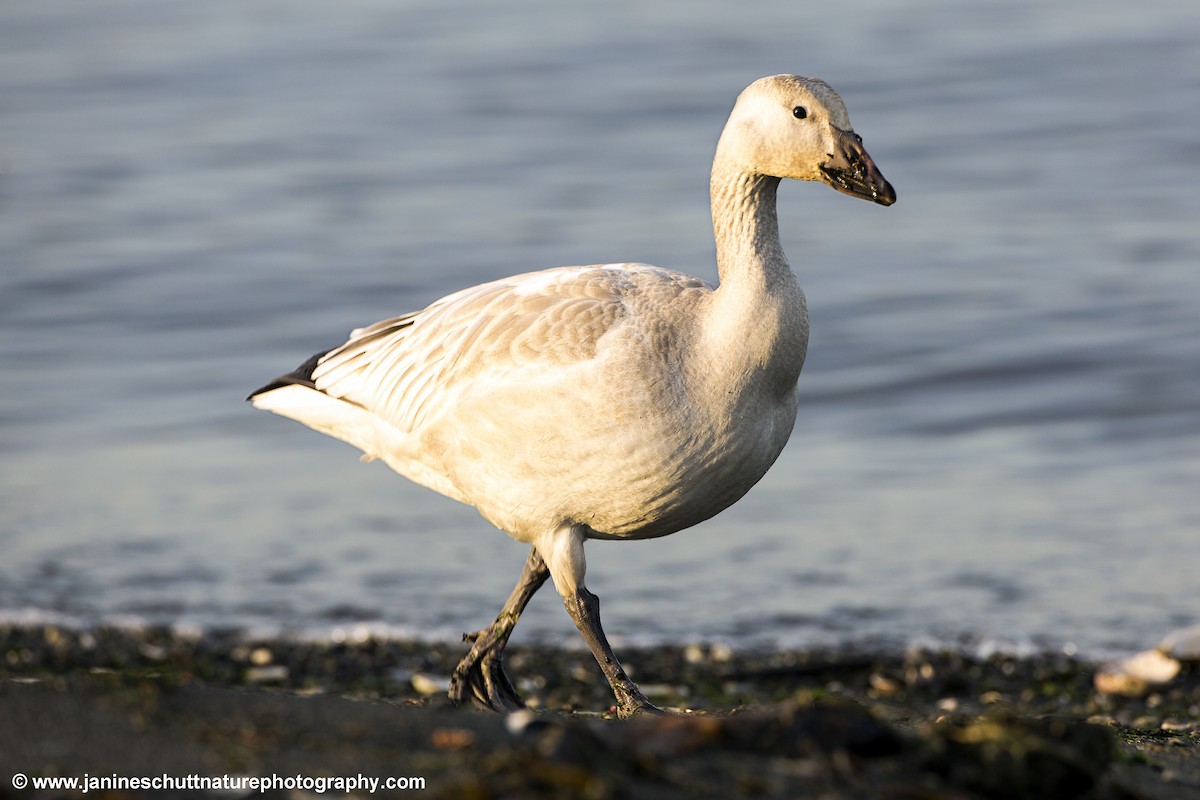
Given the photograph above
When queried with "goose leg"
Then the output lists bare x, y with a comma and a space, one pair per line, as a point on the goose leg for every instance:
584, 608
479, 678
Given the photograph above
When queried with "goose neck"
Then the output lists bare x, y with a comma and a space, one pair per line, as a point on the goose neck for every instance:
756, 327
746, 227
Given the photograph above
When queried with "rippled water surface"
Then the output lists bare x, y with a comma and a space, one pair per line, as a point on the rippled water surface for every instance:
1000, 430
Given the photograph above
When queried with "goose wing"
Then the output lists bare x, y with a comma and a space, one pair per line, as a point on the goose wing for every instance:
404, 369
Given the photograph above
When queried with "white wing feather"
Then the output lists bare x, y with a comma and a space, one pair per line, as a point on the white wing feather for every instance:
403, 369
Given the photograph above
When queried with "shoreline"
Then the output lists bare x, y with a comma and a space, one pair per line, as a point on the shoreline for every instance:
769, 724
971, 645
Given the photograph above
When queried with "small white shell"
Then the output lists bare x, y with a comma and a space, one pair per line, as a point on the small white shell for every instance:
1136, 675
428, 685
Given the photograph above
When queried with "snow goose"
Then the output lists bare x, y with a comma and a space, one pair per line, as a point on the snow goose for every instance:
619, 401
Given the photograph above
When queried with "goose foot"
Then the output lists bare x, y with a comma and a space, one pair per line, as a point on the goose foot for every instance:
479, 678
584, 608
642, 709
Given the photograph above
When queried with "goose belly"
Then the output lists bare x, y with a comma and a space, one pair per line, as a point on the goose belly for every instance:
622, 468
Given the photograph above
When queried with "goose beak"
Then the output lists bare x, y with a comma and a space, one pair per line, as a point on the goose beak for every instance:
849, 169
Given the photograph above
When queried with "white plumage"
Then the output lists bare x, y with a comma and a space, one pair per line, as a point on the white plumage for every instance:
611, 401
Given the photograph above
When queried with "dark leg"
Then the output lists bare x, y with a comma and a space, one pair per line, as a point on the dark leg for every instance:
479, 678
584, 608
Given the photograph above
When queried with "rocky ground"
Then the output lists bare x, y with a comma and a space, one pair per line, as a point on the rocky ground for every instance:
921, 725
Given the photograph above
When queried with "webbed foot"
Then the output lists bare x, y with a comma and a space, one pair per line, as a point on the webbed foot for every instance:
479, 678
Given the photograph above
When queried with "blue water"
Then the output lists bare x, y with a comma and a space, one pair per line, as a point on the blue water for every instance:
1000, 432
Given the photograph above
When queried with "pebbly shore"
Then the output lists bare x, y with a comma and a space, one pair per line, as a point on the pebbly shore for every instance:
120, 703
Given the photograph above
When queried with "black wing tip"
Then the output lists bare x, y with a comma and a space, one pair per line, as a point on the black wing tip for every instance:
301, 376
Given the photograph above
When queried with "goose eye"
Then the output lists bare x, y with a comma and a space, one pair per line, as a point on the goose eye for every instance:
799, 112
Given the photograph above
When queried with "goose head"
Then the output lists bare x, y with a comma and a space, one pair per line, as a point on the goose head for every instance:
786, 126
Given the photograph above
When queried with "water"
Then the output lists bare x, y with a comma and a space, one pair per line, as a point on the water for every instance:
1000, 432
